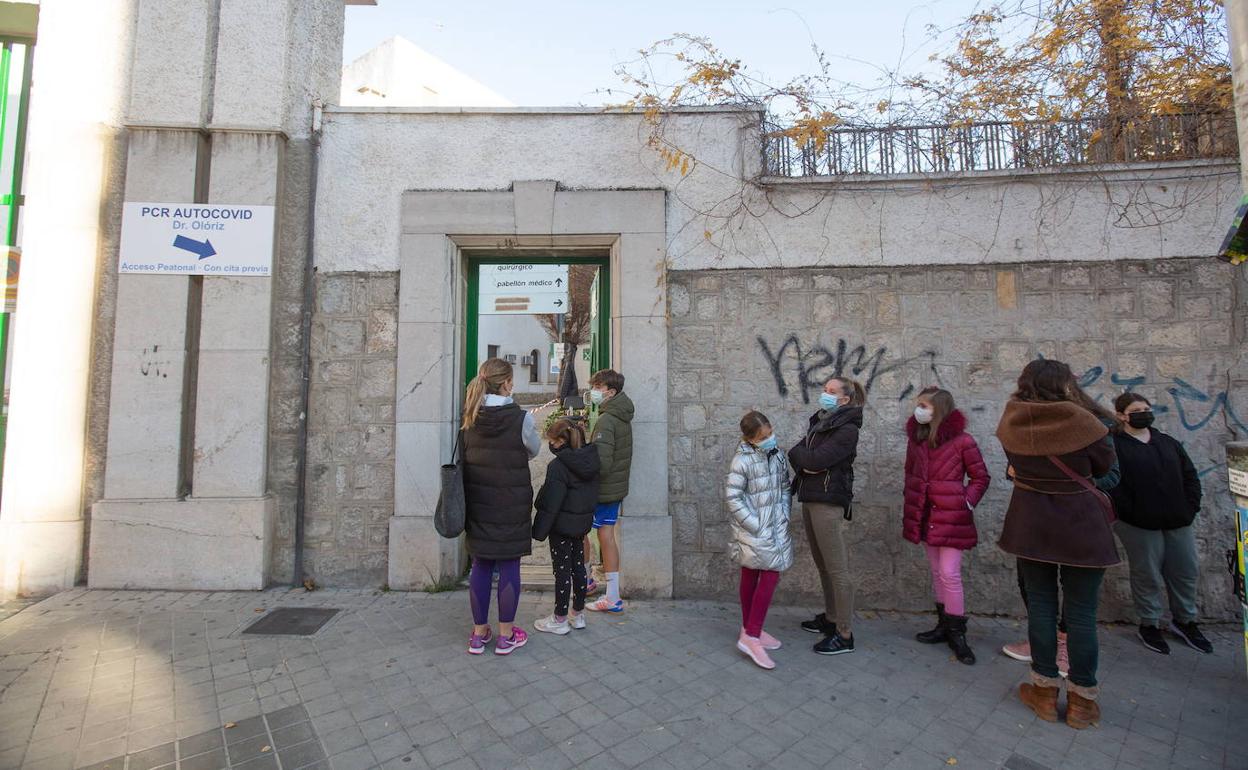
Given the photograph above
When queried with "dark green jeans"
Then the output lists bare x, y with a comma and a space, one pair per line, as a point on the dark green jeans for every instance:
1081, 587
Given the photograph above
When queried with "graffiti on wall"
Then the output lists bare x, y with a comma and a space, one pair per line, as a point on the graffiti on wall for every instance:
816, 364
810, 366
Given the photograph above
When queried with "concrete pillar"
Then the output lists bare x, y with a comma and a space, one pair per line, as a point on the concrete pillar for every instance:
76, 153
266, 60
1237, 32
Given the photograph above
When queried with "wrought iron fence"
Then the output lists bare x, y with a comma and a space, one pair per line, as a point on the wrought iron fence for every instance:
993, 146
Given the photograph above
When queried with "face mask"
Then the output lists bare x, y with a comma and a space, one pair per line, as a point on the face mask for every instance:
1140, 420
767, 444
922, 416
829, 401
596, 396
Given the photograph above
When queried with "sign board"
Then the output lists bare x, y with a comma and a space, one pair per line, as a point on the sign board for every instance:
522, 289
556, 357
197, 239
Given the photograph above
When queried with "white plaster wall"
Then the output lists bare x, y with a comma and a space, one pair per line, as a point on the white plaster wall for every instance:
518, 335
371, 156
399, 73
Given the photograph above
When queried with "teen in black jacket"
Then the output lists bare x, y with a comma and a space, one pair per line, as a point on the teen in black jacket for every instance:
823, 466
565, 513
1157, 501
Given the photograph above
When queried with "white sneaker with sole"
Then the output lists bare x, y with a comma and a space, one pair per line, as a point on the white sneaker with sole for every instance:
550, 625
577, 621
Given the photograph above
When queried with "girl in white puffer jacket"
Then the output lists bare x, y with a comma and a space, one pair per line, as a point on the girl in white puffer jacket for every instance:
759, 502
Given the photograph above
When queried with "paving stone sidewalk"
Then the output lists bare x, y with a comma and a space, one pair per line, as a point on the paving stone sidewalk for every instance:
136, 680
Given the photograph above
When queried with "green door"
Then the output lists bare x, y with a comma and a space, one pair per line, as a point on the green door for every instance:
597, 298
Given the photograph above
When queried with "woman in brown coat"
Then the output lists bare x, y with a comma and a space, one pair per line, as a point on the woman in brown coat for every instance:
1058, 525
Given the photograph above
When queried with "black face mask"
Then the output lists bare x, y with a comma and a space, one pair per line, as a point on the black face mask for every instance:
1140, 420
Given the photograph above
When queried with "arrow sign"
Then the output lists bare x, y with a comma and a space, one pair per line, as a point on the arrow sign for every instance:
203, 248
558, 281
558, 303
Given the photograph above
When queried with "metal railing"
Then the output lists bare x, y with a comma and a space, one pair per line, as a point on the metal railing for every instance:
997, 146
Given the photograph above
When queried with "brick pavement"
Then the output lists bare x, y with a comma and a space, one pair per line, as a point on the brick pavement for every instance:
138, 680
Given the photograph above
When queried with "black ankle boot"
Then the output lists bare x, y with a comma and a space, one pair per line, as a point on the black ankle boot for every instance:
956, 629
939, 633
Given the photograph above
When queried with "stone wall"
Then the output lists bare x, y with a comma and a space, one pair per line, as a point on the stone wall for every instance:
351, 429
767, 339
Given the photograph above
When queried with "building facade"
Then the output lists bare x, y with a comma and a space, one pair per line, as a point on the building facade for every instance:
733, 286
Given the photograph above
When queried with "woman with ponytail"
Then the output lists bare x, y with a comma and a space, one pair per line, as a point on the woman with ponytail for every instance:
499, 440
824, 483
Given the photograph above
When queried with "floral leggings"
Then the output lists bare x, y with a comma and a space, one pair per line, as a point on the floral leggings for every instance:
567, 559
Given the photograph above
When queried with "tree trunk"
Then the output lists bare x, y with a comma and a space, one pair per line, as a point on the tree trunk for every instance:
1116, 64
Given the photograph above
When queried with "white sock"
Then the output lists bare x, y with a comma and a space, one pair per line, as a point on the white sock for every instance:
613, 587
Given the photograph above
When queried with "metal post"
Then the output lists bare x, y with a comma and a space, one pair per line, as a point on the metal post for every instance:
1237, 468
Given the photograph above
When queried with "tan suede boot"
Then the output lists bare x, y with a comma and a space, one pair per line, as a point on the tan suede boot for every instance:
1081, 712
1042, 700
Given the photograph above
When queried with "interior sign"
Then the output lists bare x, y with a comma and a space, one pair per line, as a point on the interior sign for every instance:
197, 239
522, 289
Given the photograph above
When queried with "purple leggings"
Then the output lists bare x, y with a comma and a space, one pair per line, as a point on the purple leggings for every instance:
479, 581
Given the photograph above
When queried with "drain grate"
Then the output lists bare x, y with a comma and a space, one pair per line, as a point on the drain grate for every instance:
292, 621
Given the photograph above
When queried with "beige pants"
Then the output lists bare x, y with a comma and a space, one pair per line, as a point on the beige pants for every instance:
825, 530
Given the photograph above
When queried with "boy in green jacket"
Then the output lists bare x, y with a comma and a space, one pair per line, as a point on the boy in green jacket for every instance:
613, 436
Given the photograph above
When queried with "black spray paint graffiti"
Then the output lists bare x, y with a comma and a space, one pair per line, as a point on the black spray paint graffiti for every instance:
818, 364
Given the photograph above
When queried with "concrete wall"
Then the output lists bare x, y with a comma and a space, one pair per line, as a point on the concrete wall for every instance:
767, 339
351, 430
717, 220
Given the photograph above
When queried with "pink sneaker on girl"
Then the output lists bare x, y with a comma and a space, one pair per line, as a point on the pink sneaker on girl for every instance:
754, 649
769, 642
506, 646
476, 644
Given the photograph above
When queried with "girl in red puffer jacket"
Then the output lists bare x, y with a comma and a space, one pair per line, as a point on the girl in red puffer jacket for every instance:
939, 501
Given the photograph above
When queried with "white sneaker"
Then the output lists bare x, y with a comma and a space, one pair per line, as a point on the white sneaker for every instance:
549, 625
577, 621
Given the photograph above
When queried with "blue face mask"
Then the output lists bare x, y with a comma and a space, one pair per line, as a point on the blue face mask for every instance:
768, 444
828, 401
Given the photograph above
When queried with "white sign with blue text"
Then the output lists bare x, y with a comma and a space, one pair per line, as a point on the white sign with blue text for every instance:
197, 239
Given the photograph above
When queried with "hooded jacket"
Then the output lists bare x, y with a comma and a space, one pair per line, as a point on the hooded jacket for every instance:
823, 462
1051, 517
565, 504
759, 502
936, 477
613, 436
1160, 488
498, 489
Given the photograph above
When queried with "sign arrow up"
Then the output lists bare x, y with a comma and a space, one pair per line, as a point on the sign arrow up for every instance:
558, 281
203, 248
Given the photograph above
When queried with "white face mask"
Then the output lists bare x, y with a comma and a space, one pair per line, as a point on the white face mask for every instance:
922, 416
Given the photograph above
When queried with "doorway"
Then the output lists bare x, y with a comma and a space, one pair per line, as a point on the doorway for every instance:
549, 317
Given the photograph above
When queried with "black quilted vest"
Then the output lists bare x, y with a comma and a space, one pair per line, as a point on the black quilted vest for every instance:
497, 486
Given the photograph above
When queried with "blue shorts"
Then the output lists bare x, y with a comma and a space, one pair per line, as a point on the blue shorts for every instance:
606, 514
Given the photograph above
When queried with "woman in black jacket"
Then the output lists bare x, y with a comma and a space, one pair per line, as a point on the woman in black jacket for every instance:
1157, 500
499, 439
565, 514
823, 463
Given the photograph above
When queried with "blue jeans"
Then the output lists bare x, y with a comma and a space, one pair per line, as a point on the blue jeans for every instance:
1081, 587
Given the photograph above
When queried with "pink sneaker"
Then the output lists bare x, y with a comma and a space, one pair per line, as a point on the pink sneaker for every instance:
1018, 651
476, 644
769, 642
754, 648
507, 646
1063, 656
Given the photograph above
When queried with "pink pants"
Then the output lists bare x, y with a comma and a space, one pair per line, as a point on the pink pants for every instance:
946, 564
757, 587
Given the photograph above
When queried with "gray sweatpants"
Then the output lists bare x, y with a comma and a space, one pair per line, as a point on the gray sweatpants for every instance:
1158, 559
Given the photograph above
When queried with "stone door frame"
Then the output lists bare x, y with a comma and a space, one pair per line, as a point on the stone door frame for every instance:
441, 231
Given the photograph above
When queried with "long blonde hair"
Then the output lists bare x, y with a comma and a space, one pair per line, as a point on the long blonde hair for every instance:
491, 377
